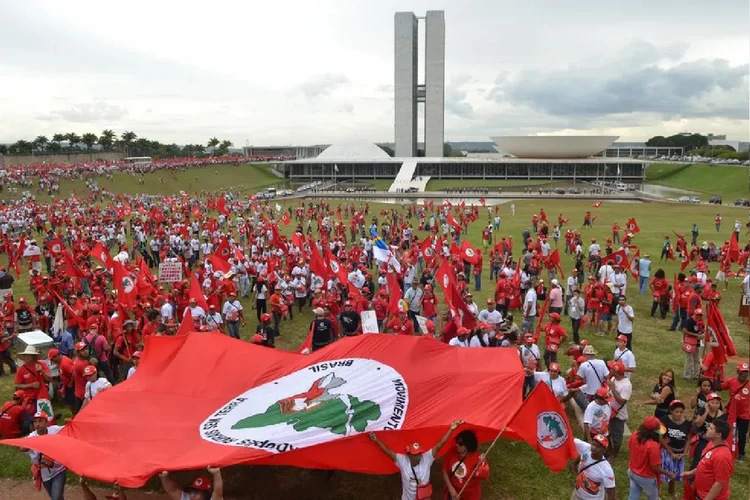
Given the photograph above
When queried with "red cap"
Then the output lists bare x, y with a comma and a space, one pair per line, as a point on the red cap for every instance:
555, 316
89, 370
743, 367
528, 336
654, 424
348, 303
698, 312
19, 394
602, 392
713, 396
618, 367
463, 331
52, 353
430, 326
80, 346
41, 415
413, 449
554, 367
624, 338
257, 338
201, 483
602, 440
136, 354
490, 301
581, 359
584, 343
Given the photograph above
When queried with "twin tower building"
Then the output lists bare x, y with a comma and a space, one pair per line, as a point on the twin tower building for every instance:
408, 91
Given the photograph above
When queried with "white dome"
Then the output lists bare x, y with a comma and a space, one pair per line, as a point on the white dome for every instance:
353, 151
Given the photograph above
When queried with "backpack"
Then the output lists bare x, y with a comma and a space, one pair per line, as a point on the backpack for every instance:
93, 354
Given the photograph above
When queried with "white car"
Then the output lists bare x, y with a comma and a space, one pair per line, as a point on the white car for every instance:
684, 199
695, 199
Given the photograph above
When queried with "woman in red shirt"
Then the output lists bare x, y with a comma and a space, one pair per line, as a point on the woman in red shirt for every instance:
660, 290
644, 467
459, 464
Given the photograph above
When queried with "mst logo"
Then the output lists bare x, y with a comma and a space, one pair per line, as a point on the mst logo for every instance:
551, 431
317, 404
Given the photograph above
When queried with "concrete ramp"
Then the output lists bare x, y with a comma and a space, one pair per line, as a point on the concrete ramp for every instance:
404, 176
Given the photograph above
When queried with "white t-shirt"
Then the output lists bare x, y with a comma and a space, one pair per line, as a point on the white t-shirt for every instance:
597, 416
232, 310
491, 317
458, 343
530, 299
422, 471
558, 385
624, 325
601, 474
625, 389
167, 311
97, 386
627, 357
594, 372
131, 372
529, 353
56, 468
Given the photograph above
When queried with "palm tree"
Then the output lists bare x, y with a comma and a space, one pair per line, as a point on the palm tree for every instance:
57, 139
212, 143
20, 148
127, 139
107, 139
224, 147
72, 139
89, 140
40, 143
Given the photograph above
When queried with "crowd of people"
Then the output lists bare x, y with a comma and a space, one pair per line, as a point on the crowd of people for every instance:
340, 262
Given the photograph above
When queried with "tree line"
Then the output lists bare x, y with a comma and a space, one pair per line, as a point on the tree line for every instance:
127, 143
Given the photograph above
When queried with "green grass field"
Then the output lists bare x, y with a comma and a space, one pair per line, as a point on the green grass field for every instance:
517, 471
720, 180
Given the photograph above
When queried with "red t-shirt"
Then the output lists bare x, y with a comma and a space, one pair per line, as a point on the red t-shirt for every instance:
713, 371
80, 381
740, 394
28, 375
716, 465
66, 370
428, 305
643, 456
405, 328
459, 471
10, 421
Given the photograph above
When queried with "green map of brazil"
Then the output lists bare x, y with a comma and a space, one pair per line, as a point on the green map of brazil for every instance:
317, 408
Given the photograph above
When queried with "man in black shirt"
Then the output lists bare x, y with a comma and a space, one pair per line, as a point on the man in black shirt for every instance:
351, 322
322, 330
267, 332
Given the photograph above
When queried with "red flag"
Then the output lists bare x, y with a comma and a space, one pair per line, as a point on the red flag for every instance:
306, 347
197, 293
223, 249
335, 269
428, 252
632, 226
468, 253
125, 284
685, 261
144, 281
618, 257
219, 264
196, 212
186, 325
733, 253
71, 268
635, 265
67, 307
542, 313
598, 203
102, 255
285, 219
265, 402
55, 247
717, 328
444, 276
451, 221
394, 293
554, 259
317, 264
542, 423
221, 206
276, 239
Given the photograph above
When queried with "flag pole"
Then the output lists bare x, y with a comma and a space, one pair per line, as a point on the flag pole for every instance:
476, 467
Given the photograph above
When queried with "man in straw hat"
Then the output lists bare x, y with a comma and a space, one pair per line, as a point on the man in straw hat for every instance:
32, 377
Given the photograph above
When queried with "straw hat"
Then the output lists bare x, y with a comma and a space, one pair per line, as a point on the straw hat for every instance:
30, 351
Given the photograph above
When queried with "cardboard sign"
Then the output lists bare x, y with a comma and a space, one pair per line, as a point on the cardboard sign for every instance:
170, 272
422, 324
369, 322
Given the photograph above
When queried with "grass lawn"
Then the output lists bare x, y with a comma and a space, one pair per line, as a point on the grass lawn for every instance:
517, 471
721, 180
443, 184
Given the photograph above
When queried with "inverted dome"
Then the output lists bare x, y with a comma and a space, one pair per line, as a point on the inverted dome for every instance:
360, 150
554, 146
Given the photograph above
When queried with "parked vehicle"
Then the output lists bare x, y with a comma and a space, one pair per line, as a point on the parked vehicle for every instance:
742, 203
695, 199
715, 200
559, 191
412, 189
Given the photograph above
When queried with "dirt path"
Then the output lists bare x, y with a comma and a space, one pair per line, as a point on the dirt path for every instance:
24, 490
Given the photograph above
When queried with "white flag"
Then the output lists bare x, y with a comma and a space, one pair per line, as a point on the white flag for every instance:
278, 207
336, 167
58, 325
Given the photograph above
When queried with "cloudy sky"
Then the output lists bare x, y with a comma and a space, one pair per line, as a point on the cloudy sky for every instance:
306, 72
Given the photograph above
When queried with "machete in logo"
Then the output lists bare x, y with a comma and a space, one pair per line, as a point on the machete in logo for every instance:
314, 405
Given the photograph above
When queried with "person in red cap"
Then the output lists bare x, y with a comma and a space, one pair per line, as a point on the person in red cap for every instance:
711, 477
415, 464
693, 331
51, 473
703, 418
461, 339
555, 382
400, 325
98, 348
739, 402
202, 487
79, 380
267, 332
597, 415
135, 359
351, 322
429, 303
621, 390
65, 369
595, 479
644, 466
554, 335
14, 421
94, 384
430, 327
